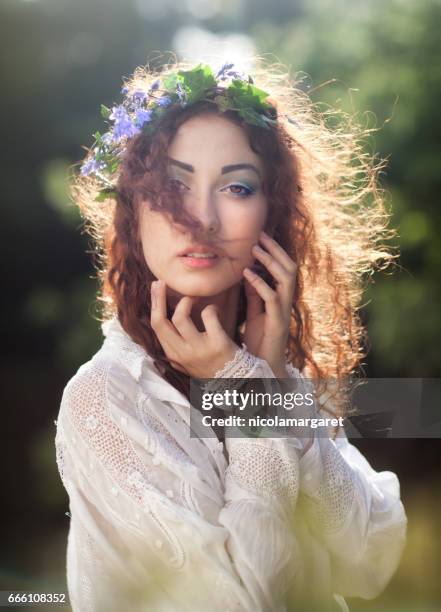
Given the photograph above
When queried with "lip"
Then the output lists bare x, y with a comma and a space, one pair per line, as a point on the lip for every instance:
202, 249
198, 262
193, 262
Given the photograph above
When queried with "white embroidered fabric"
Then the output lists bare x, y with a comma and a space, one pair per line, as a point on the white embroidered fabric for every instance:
263, 470
165, 521
334, 499
261, 466
244, 365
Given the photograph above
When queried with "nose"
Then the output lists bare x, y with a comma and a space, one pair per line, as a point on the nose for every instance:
204, 209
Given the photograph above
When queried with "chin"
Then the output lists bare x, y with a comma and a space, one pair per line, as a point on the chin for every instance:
197, 287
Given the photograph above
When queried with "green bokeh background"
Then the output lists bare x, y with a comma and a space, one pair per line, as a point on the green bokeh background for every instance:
59, 61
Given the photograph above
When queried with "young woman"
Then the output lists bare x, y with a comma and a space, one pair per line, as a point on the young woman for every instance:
233, 230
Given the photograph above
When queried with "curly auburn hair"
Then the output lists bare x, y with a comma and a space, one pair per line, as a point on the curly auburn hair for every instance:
326, 210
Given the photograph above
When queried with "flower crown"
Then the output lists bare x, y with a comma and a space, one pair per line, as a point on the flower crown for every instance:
141, 110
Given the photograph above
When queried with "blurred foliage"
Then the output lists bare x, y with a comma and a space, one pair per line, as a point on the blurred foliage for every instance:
60, 60
383, 57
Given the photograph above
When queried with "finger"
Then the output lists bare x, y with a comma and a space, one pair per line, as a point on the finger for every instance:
210, 318
178, 366
268, 295
278, 252
284, 279
255, 304
182, 321
165, 331
279, 272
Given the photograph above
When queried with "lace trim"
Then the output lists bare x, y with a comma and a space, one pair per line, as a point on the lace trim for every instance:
239, 366
243, 365
335, 496
262, 470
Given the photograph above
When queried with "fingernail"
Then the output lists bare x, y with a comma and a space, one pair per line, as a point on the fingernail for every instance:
258, 248
249, 271
264, 234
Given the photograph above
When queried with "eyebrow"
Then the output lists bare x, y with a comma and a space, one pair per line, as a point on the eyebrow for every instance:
224, 169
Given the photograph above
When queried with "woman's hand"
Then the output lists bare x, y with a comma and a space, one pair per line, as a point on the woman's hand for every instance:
198, 354
268, 310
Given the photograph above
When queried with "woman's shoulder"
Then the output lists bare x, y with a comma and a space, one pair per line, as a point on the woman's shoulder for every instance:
119, 360
110, 377
117, 378
105, 410
116, 385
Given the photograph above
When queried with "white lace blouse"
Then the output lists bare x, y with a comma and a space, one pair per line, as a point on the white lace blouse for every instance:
164, 522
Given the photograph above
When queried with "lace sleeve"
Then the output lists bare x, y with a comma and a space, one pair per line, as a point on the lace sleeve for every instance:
245, 365
261, 489
356, 511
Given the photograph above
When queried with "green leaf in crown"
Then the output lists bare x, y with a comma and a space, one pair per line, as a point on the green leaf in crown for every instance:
222, 103
251, 116
197, 82
105, 111
169, 82
245, 95
113, 164
105, 194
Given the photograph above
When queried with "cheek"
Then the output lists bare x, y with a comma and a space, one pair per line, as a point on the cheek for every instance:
242, 225
155, 235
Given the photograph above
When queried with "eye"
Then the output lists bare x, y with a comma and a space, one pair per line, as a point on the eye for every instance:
238, 190
175, 184
245, 193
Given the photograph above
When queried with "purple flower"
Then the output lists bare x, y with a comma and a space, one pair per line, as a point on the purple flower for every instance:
118, 113
92, 166
139, 96
237, 75
123, 125
164, 101
125, 90
221, 73
181, 94
107, 138
142, 116
154, 85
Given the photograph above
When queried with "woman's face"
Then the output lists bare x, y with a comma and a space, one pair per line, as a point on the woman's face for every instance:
220, 178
